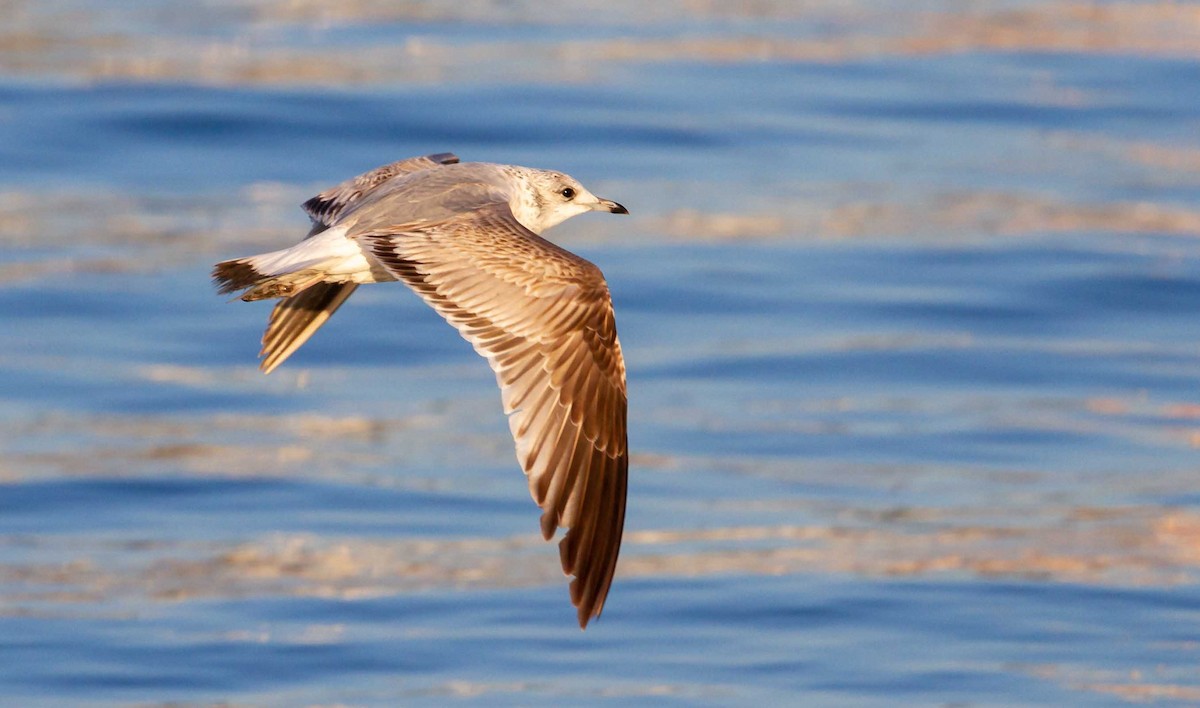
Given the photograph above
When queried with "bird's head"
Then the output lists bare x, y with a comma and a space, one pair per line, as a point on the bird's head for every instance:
546, 198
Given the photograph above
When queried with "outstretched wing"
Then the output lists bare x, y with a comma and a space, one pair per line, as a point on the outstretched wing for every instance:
543, 318
325, 208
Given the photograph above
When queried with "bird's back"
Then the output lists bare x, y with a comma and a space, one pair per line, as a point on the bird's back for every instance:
429, 195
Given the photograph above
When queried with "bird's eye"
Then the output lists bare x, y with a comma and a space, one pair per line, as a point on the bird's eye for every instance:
568, 193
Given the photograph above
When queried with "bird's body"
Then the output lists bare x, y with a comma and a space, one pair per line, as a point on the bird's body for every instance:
465, 237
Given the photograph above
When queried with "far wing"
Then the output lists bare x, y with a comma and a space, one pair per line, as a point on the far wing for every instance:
328, 205
543, 318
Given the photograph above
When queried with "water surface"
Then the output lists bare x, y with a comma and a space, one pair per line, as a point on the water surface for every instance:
907, 299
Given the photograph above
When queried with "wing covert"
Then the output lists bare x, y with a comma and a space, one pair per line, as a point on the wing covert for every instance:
325, 208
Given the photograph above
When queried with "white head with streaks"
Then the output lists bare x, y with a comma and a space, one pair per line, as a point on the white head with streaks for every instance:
544, 198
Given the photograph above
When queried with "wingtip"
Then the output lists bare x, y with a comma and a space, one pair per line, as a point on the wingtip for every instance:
444, 158
585, 617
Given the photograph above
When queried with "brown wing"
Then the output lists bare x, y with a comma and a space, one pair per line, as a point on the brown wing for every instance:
295, 318
543, 318
328, 205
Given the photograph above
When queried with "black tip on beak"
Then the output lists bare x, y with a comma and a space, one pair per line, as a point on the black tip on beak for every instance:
617, 208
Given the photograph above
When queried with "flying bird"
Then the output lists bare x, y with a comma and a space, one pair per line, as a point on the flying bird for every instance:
466, 237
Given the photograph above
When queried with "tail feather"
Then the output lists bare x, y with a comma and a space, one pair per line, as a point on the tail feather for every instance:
241, 274
235, 275
296, 318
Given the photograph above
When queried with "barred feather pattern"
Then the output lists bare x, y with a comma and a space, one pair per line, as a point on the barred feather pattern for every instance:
543, 319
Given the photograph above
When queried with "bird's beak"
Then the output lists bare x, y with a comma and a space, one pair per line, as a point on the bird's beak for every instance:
609, 205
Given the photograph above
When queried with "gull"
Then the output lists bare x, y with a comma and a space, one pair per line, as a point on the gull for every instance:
466, 237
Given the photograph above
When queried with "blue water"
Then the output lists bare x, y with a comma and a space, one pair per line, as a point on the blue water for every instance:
911, 340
